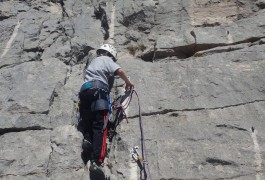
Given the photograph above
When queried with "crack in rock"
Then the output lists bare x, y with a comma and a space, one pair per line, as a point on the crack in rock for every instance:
235, 177
4, 17
166, 111
101, 14
53, 95
14, 129
196, 50
205, 24
16, 175
49, 161
231, 127
36, 49
207, 47
216, 161
35, 112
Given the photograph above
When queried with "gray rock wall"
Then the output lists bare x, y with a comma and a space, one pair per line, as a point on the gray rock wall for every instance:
198, 67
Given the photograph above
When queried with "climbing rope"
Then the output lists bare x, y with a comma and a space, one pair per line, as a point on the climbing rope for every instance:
145, 172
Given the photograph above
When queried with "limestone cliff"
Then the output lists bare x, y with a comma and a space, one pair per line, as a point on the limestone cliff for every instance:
197, 65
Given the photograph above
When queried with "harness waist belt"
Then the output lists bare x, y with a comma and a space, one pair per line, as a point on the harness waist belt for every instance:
94, 85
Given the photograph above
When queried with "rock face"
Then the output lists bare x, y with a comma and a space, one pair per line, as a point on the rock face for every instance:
198, 67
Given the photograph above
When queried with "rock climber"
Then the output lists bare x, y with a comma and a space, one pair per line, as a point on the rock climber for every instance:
95, 103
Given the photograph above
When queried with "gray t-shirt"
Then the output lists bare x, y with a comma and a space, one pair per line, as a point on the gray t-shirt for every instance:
101, 68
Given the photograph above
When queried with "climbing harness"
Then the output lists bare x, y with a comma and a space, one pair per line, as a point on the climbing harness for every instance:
142, 162
99, 89
114, 122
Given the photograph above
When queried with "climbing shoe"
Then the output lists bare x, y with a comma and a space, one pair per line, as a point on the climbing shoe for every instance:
97, 171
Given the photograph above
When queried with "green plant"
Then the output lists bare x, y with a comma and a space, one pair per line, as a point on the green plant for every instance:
142, 47
134, 48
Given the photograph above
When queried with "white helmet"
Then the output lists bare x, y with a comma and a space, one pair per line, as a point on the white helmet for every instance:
110, 49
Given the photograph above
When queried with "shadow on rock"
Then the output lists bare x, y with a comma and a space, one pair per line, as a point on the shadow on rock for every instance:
86, 154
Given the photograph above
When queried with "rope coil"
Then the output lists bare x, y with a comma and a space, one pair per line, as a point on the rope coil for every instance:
142, 163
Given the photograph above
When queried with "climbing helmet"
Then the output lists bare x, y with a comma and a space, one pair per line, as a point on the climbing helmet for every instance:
109, 48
